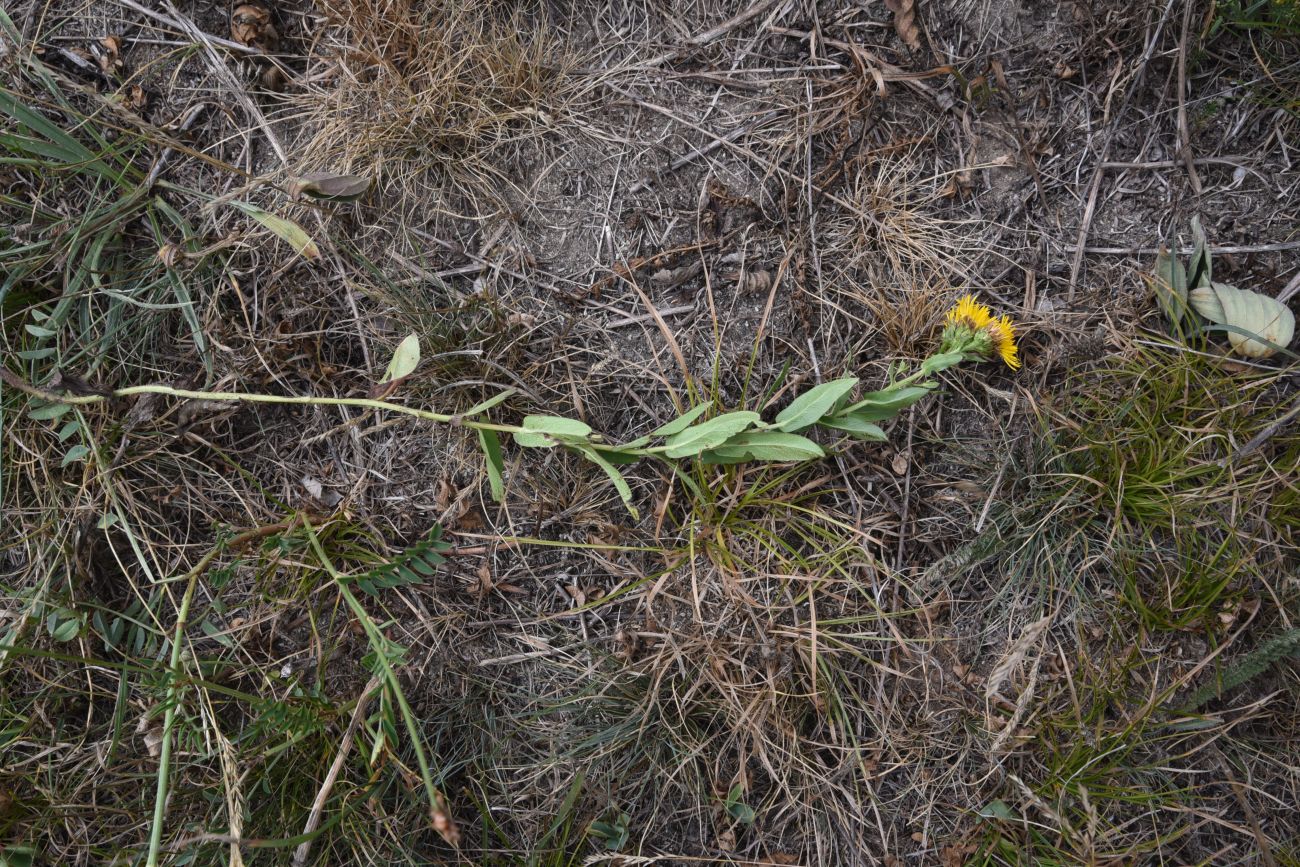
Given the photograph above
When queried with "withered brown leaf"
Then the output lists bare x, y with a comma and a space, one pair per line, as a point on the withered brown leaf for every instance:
251, 25
905, 22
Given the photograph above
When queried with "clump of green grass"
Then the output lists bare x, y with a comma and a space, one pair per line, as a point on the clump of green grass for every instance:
1152, 444
1150, 516
82, 285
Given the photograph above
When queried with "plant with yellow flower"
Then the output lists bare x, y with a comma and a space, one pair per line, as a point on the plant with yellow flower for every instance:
972, 333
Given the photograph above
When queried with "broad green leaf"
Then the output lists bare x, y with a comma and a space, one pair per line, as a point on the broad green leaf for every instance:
741, 812
709, 434
808, 408
683, 421
997, 809
329, 186
492, 401
491, 445
39, 331
547, 431
68, 429
533, 440
736, 806
288, 231
1205, 301
36, 354
620, 483
74, 454
62, 625
50, 411
405, 358
764, 445
857, 424
1251, 312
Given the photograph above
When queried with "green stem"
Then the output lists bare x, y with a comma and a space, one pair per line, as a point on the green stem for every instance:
173, 676
379, 643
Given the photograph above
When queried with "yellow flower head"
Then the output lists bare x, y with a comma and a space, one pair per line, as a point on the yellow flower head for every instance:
1003, 335
970, 313
973, 331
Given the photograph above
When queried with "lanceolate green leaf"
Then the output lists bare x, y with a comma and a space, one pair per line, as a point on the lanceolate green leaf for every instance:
491, 445
1199, 272
288, 231
808, 408
764, 445
546, 431
943, 361
484, 406
49, 411
890, 399
683, 421
74, 454
857, 424
620, 484
709, 434
1171, 285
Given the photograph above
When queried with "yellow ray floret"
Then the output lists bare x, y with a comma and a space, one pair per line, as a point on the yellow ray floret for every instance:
1003, 335
970, 312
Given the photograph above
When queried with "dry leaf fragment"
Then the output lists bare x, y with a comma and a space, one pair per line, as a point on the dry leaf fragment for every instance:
441, 820
327, 185
170, 255
272, 78
151, 733
108, 53
136, 98
905, 22
251, 25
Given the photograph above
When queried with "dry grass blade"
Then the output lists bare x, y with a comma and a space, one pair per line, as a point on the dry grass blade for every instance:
1016, 654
